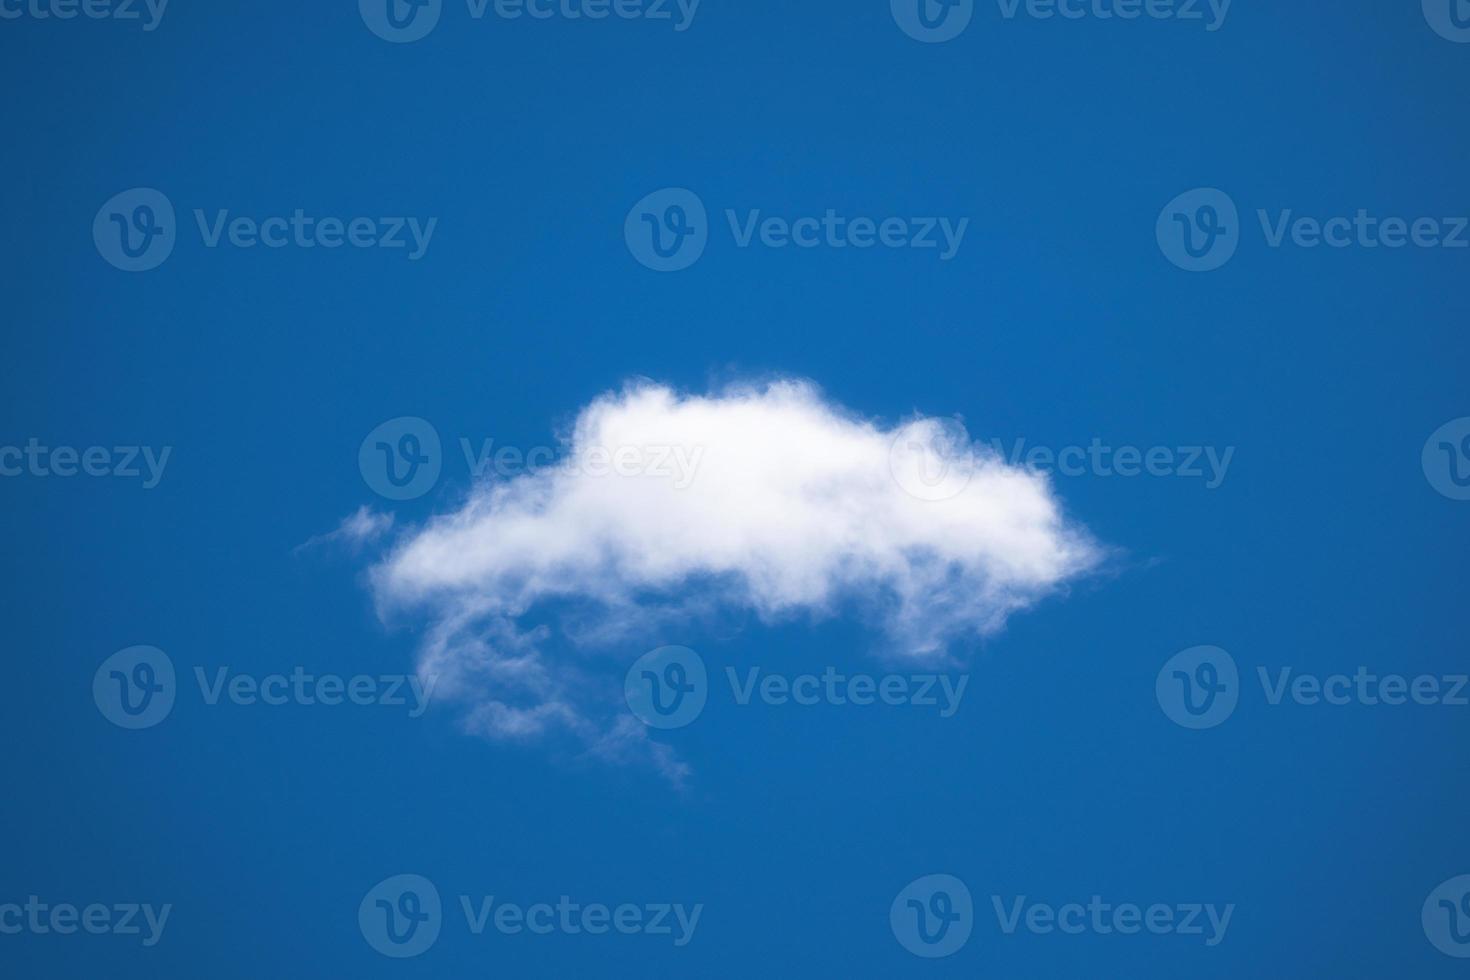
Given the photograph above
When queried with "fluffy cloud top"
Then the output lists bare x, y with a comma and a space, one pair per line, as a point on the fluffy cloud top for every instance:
768, 498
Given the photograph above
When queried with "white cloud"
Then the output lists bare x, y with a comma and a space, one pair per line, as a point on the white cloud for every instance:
357, 529
666, 507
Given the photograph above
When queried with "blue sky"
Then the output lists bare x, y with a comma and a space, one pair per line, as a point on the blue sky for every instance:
527, 153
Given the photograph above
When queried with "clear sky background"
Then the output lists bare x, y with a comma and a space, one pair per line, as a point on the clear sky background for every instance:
1060, 320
